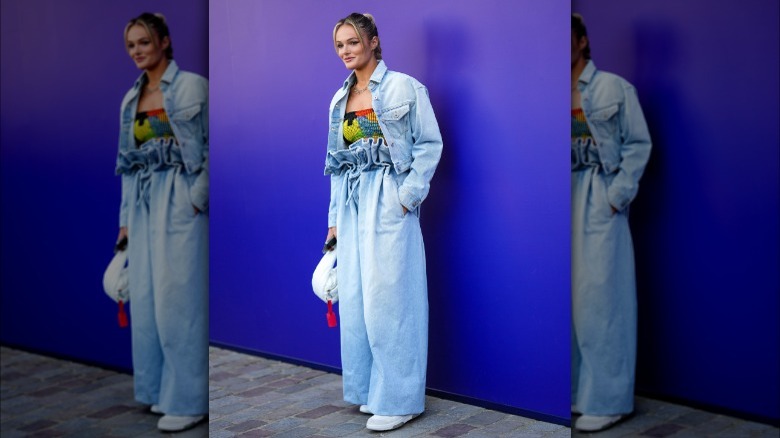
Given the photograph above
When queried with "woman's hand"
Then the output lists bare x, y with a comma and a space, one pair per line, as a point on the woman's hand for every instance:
331, 235
406, 210
122, 234
196, 210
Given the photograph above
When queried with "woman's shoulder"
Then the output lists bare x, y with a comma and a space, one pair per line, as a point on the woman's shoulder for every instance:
603, 78
189, 78
396, 78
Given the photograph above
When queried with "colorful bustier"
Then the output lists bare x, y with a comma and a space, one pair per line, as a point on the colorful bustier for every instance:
151, 124
580, 132
361, 124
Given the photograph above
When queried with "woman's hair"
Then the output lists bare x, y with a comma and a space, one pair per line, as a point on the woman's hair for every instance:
363, 24
579, 29
154, 25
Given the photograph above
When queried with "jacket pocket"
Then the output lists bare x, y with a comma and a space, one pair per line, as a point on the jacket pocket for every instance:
396, 120
187, 124
605, 122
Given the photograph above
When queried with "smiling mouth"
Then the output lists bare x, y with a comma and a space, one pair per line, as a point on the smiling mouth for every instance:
348, 59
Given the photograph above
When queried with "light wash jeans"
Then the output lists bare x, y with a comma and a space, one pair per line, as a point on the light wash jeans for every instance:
604, 306
168, 267
383, 292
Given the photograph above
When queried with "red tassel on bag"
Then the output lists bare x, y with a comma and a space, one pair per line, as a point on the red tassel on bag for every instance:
122, 316
330, 315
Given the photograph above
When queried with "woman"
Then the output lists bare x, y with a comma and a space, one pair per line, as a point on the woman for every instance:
163, 160
383, 148
610, 148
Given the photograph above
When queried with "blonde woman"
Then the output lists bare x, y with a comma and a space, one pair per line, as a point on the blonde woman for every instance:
163, 160
383, 148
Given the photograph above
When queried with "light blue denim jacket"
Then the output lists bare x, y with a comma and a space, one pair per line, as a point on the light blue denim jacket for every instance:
409, 126
617, 124
186, 101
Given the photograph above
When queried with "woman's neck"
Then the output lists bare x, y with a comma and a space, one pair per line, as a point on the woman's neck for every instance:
363, 75
154, 75
576, 70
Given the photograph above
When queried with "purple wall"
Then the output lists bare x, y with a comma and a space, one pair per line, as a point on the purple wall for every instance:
706, 219
64, 72
496, 223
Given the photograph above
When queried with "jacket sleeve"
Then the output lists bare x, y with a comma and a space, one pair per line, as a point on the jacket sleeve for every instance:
634, 151
199, 191
126, 181
335, 189
426, 151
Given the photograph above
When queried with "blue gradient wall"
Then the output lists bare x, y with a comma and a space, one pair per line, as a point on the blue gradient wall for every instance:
64, 72
496, 223
706, 219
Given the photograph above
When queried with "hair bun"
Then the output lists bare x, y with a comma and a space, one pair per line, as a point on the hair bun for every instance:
369, 16
160, 16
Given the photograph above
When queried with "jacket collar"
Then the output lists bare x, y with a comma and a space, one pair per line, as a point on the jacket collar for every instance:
376, 76
167, 77
587, 73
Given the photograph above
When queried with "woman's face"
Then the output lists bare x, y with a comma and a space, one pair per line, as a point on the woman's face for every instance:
349, 48
577, 47
147, 51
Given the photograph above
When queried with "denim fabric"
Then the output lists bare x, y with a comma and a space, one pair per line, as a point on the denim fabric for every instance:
617, 124
603, 280
409, 125
185, 100
383, 295
168, 270
168, 246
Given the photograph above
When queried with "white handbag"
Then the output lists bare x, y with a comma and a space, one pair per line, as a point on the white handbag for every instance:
325, 284
116, 284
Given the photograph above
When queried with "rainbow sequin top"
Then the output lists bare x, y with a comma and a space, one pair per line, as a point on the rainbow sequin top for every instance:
580, 133
151, 124
361, 124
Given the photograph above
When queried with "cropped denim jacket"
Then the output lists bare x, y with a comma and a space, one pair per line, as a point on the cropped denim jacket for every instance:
618, 126
409, 126
185, 100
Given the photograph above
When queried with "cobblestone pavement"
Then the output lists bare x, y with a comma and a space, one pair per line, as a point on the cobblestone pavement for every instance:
45, 397
653, 418
256, 397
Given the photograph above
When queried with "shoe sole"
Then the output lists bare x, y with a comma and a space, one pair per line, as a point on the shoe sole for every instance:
610, 425
395, 426
187, 427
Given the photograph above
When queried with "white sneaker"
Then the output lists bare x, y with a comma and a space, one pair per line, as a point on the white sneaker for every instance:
388, 422
177, 423
364, 409
155, 409
595, 423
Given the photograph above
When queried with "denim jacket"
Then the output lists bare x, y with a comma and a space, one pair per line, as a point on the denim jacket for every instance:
618, 126
409, 126
185, 100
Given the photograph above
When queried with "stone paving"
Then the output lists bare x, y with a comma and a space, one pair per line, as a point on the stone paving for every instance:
45, 397
256, 397
657, 419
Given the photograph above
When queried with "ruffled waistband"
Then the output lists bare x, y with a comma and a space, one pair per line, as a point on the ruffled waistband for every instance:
155, 154
364, 154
